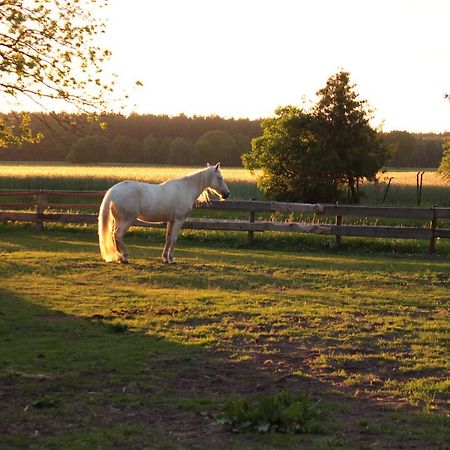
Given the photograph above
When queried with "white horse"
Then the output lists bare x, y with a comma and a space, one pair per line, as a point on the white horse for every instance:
167, 202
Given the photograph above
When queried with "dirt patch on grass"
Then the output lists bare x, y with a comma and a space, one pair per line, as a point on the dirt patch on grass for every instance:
175, 402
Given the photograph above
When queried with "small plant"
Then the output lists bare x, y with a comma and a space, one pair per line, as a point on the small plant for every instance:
281, 412
45, 402
118, 327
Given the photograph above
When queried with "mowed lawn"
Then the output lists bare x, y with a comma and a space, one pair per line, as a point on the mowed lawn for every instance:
144, 355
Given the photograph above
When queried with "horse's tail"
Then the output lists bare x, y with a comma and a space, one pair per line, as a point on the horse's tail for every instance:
106, 221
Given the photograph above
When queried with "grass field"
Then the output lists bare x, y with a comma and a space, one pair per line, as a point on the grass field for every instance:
242, 183
102, 177
154, 174
98, 356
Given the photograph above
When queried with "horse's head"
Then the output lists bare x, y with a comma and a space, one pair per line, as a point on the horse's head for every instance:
217, 184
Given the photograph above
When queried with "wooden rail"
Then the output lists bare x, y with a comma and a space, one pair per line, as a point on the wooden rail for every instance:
44, 211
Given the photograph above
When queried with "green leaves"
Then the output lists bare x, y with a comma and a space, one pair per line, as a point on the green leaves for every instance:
49, 54
444, 166
281, 412
14, 129
319, 154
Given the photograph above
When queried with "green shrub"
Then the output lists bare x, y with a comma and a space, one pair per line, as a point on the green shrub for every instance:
281, 412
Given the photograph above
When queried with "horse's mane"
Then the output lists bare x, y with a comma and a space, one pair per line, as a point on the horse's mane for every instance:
204, 197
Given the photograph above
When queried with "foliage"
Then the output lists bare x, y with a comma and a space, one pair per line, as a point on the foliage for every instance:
216, 145
408, 150
313, 155
47, 54
15, 129
353, 149
89, 149
154, 133
444, 166
280, 412
150, 150
123, 149
413, 150
286, 153
180, 151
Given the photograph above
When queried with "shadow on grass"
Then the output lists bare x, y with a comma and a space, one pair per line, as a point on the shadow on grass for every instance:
70, 382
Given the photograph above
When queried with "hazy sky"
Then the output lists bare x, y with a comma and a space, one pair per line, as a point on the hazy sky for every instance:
243, 58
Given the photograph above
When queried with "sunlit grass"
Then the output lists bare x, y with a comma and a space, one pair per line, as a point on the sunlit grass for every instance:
408, 177
159, 174
61, 176
154, 174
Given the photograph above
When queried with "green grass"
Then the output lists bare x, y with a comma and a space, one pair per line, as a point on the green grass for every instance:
98, 355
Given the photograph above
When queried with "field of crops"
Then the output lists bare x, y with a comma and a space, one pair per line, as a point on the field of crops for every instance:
102, 177
436, 192
146, 355
154, 174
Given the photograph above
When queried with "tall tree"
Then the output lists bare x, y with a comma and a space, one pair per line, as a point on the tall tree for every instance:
48, 54
314, 155
353, 149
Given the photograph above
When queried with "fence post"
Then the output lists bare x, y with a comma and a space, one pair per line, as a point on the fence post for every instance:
251, 219
433, 224
40, 206
338, 223
387, 189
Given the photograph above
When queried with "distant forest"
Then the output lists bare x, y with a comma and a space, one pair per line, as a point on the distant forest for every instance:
178, 140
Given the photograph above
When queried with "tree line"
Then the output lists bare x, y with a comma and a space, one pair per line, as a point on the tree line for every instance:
150, 139
415, 149
177, 140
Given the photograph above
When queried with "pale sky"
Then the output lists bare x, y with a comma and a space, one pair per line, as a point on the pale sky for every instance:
243, 58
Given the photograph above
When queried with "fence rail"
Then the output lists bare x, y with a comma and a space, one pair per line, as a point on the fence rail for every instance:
44, 211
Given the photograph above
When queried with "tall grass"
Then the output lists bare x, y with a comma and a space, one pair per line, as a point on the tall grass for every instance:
56, 176
403, 189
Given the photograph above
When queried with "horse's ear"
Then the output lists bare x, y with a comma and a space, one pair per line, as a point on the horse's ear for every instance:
218, 166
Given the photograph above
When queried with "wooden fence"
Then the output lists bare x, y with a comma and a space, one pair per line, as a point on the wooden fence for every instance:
431, 219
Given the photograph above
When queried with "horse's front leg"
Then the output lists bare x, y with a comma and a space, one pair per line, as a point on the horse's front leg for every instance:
172, 233
165, 253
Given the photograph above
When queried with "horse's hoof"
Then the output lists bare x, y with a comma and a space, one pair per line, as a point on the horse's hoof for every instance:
123, 261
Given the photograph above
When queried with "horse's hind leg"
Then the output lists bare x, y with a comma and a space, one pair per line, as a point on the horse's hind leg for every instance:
119, 233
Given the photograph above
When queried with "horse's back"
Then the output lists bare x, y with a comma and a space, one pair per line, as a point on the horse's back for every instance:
151, 202
126, 196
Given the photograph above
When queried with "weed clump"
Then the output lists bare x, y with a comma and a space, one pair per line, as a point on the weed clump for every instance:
281, 412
